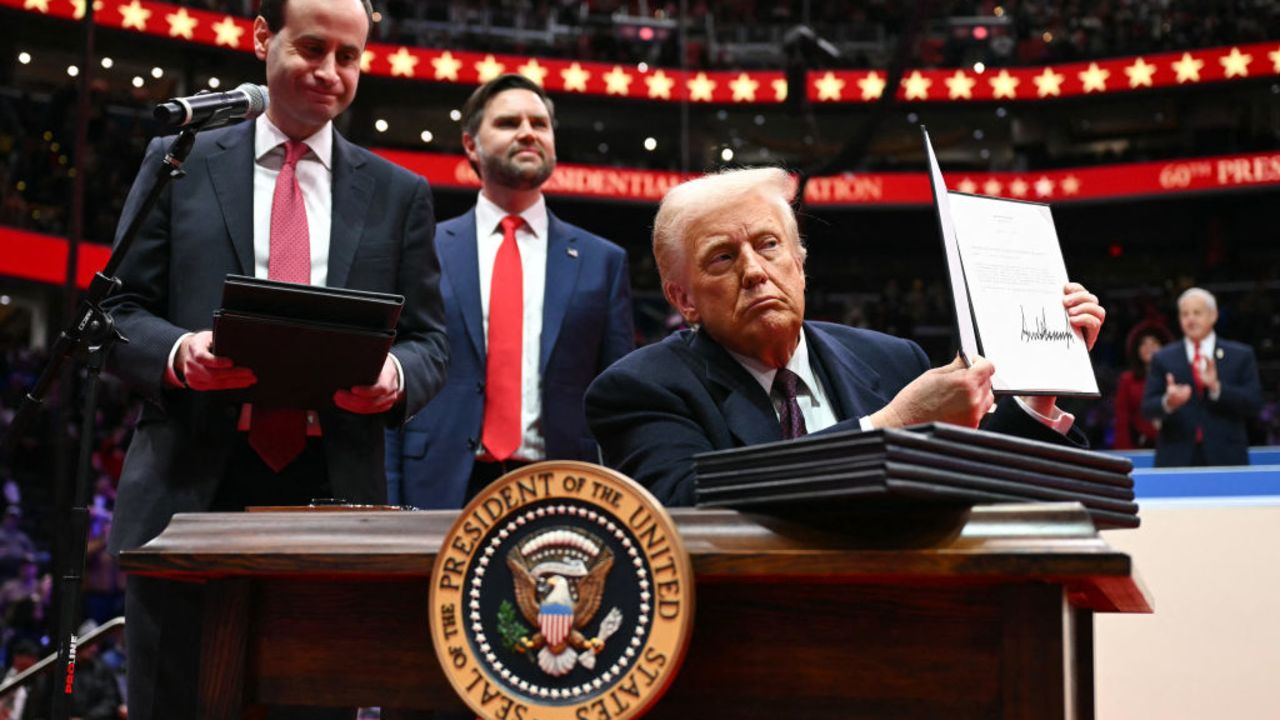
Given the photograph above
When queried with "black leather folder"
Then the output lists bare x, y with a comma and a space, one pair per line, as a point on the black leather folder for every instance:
303, 342
911, 468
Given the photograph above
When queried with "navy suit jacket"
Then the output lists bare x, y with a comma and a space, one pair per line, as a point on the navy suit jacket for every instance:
202, 229
664, 403
1224, 421
586, 326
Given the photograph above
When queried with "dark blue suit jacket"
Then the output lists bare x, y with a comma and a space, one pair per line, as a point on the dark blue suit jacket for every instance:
664, 403
202, 229
586, 326
1224, 421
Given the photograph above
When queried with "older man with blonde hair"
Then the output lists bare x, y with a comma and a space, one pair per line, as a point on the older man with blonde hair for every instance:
751, 369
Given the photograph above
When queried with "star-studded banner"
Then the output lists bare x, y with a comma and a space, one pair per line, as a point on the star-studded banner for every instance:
1187, 68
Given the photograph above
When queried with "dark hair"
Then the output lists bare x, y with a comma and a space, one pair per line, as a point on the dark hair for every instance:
473, 109
273, 12
1140, 332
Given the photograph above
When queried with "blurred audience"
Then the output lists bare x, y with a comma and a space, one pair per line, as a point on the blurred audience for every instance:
1132, 430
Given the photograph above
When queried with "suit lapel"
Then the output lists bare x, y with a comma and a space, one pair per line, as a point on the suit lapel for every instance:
563, 264
853, 385
460, 266
352, 189
745, 405
227, 171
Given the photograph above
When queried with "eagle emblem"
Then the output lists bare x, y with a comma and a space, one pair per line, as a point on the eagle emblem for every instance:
559, 576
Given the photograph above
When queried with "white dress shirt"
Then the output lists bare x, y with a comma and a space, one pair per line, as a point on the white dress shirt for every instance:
1207, 347
315, 178
810, 395
531, 239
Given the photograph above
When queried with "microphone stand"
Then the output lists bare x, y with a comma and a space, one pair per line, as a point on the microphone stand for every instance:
89, 338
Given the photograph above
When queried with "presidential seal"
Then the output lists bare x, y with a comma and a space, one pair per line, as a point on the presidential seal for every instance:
561, 592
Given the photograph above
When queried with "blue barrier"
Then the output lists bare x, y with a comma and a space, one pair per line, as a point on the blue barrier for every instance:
1252, 481
1261, 455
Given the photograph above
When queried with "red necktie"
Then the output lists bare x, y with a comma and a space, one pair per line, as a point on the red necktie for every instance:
279, 435
1199, 383
1195, 370
505, 352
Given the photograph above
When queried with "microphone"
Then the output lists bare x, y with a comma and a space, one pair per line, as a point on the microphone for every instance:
214, 109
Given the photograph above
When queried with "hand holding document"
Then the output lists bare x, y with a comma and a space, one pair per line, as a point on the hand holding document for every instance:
1009, 283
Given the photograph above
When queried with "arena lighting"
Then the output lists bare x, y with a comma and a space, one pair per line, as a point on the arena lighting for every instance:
650, 144
979, 67
980, 32
726, 154
427, 136
138, 81
643, 67
107, 63
157, 73
455, 115
215, 83
72, 70
24, 57
380, 125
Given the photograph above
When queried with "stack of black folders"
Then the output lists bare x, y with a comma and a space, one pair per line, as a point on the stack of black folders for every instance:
934, 464
303, 342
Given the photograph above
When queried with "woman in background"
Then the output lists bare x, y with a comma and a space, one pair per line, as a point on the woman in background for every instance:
1132, 429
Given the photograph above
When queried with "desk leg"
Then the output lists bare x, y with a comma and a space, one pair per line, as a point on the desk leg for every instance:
225, 640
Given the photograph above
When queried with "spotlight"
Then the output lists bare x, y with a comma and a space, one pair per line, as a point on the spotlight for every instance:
427, 136
380, 125
650, 144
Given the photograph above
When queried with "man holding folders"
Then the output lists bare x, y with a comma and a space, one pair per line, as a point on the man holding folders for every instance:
1202, 391
284, 197
754, 370
536, 309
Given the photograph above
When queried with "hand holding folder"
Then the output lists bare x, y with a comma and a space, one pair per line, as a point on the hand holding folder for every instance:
303, 343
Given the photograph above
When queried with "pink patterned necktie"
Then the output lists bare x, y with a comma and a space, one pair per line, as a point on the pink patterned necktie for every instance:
279, 435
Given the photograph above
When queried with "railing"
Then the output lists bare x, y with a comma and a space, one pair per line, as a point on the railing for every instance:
26, 677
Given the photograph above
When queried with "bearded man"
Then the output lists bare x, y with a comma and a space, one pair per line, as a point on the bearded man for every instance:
536, 308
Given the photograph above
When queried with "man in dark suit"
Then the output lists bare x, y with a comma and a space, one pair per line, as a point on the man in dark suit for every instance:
1202, 391
536, 308
729, 253
284, 197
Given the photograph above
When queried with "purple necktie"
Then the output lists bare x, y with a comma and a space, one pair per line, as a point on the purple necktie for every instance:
785, 384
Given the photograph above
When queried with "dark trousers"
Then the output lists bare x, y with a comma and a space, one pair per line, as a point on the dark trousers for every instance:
164, 618
484, 473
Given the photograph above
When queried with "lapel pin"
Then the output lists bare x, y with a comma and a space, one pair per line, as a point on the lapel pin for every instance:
1218, 353
573, 252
